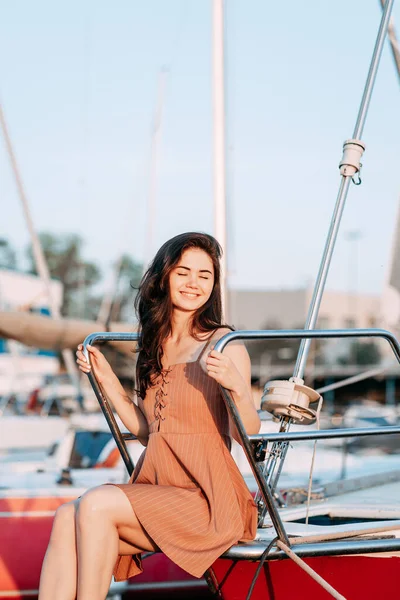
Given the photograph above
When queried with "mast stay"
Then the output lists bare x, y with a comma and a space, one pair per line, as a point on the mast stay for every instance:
38, 254
290, 400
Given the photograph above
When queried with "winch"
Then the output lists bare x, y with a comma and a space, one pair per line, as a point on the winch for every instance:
290, 399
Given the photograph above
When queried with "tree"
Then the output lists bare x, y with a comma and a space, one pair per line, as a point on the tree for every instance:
8, 258
63, 254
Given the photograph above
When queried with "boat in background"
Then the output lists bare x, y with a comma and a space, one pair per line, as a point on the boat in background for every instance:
29, 436
81, 455
31, 491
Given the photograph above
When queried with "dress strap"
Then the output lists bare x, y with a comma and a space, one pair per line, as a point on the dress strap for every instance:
205, 347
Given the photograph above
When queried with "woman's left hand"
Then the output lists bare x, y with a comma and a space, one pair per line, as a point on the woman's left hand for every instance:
221, 368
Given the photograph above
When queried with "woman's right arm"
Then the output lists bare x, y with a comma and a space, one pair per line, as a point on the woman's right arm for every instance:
129, 413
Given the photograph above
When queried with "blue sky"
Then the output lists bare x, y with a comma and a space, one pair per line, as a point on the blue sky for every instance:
78, 83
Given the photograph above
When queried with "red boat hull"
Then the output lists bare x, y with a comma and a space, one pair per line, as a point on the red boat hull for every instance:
25, 527
355, 577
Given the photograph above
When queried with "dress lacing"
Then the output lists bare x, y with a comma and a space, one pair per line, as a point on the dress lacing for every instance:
161, 400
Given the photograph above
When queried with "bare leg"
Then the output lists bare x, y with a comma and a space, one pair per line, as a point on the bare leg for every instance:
58, 579
58, 576
104, 515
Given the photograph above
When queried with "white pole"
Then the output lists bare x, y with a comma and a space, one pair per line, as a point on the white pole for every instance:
38, 254
155, 141
394, 44
219, 142
390, 304
110, 294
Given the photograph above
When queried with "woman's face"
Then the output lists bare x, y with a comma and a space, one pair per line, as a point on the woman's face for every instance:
191, 281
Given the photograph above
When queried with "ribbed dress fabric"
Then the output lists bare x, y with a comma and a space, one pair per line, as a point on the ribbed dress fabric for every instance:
186, 489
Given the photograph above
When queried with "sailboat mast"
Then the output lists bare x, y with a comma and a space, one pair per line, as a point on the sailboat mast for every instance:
219, 142
394, 43
155, 142
38, 254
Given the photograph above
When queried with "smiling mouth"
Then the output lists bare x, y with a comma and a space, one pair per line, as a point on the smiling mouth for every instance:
189, 295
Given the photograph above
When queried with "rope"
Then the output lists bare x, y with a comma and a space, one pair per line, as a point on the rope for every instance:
309, 539
310, 480
324, 584
341, 534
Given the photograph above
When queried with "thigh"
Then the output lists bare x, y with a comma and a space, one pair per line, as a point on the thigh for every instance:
111, 503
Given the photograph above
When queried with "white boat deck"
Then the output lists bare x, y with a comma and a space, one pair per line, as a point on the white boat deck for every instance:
300, 529
378, 505
378, 502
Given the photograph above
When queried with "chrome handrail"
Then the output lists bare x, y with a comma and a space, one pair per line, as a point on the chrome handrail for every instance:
288, 334
323, 434
92, 339
247, 441
254, 551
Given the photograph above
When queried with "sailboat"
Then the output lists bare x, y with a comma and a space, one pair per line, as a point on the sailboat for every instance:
341, 539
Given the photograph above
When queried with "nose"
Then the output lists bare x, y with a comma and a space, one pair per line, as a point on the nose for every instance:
192, 281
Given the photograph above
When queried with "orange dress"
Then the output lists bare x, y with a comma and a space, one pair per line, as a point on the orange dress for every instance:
186, 489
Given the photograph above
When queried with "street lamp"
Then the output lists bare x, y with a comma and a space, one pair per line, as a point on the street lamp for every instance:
353, 237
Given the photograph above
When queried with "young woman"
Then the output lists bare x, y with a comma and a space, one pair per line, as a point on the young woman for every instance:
186, 496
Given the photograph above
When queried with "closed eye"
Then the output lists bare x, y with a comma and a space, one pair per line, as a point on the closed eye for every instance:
185, 275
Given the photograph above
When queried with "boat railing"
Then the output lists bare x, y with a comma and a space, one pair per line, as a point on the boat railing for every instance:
323, 434
253, 445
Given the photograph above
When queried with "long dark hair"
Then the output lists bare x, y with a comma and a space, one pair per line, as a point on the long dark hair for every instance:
154, 307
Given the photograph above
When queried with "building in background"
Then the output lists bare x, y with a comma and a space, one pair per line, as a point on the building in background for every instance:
22, 368
286, 309
329, 361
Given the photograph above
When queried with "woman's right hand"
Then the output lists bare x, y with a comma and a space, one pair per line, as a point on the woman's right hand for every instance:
101, 366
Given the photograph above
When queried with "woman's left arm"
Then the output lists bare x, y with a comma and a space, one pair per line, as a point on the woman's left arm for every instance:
232, 369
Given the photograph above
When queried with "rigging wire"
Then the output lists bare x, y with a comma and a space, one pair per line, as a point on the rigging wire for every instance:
394, 44
300, 562
263, 558
310, 479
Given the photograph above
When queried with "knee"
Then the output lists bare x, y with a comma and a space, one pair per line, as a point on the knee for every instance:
92, 506
64, 519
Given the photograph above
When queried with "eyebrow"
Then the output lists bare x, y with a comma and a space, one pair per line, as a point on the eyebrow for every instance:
188, 269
